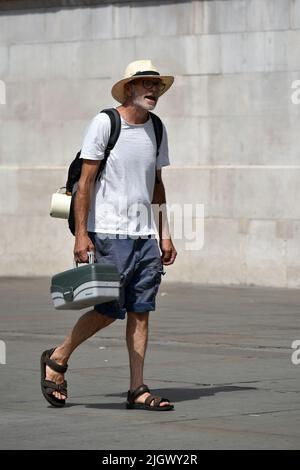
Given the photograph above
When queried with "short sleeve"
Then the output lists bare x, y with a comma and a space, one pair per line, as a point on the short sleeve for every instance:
163, 156
96, 138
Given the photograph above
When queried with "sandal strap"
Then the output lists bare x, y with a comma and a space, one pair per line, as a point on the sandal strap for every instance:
137, 393
54, 365
157, 400
61, 388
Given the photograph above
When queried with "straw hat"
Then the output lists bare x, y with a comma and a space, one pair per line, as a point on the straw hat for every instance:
139, 69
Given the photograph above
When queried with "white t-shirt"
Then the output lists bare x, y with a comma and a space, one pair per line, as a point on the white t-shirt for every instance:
122, 197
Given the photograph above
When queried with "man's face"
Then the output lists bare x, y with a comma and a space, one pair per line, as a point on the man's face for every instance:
145, 92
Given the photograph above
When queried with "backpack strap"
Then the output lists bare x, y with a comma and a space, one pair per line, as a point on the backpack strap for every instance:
115, 129
75, 167
158, 129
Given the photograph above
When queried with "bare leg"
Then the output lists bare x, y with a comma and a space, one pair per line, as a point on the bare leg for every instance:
86, 326
137, 339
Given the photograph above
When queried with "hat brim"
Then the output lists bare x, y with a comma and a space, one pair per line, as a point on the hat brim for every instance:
118, 91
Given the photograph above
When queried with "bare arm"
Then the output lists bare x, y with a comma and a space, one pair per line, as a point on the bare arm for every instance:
86, 183
169, 252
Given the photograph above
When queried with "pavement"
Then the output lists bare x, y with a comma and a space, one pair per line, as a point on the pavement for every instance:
221, 354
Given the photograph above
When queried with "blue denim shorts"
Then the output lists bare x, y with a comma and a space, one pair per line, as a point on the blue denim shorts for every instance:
139, 263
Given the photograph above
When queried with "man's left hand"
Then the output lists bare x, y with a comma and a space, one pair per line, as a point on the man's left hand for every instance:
168, 251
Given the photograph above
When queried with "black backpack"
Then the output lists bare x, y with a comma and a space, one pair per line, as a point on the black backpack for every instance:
74, 171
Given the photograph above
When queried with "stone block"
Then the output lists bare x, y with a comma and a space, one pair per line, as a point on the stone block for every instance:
236, 193
3, 30
165, 19
277, 54
281, 50
243, 226
122, 20
220, 261
183, 54
85, 59
101, 22
188, 96
18, 139
26, 193
295, 14
3, 62
104, 58
267, 15
247, 93
72, 24
42, 143
23, 101
22, 27
293, 276
203, 54
189, 141
254, 193
2, 97
229, 95
29, 61
242, 52
284, 229
265, 255
46, 249
8, 196
220, 16
68, 100
195, 183
292, 50
260, 51
293, 255
79, 24
261, 140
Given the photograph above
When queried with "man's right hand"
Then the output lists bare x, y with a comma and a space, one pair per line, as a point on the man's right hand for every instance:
83, 244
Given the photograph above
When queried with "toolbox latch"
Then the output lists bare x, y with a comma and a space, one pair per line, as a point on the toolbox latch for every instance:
68, 294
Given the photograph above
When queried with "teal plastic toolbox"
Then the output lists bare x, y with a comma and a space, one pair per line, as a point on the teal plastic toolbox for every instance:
85, 286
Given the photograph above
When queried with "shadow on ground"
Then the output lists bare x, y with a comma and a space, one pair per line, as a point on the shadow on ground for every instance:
175, 395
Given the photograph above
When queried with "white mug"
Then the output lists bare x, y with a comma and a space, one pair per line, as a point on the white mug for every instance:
60, 205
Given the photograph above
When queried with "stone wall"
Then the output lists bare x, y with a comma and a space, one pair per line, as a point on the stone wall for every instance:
232, 126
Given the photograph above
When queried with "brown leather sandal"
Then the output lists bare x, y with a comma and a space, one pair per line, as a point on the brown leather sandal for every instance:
47, 386
132, 396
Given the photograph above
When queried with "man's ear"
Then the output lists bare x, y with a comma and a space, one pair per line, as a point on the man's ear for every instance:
128, 90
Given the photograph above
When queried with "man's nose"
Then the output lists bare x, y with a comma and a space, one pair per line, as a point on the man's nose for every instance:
155, 88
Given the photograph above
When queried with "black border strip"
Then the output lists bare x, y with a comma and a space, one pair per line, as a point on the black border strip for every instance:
12, 5
15, 5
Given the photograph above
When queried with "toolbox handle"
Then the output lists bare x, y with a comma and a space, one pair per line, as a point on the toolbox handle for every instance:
91, 258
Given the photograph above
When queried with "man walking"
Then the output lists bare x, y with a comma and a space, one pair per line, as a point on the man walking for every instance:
107, 225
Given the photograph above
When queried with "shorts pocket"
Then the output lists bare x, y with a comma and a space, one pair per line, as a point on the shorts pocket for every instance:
158, 275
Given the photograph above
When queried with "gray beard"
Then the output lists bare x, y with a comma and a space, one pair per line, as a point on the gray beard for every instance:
139, 102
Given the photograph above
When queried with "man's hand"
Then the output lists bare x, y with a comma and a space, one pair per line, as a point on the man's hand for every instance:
168, 251
82, 245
